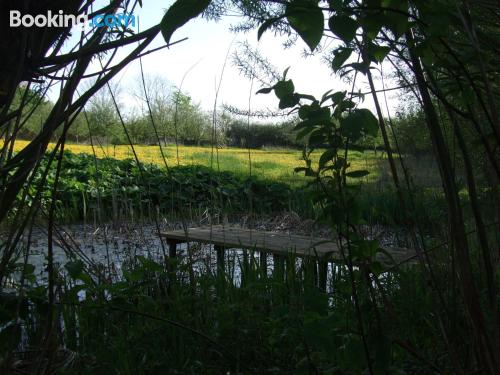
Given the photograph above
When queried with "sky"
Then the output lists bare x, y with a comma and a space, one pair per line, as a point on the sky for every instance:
201, 58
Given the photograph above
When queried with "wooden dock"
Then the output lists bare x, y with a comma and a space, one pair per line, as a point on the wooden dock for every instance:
281, 245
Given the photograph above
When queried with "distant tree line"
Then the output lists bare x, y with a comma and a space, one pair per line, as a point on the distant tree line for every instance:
173, 116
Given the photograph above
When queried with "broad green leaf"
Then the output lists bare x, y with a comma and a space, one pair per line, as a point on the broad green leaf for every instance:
179, 13
29, 269
308, 171
75, 268
285, 72
265, 90
306, 96
359, 122
326, 157
303, 132
398, 24
336, 97
320, 115
315, 113
289, 101
362, 67
372, 24
325, 96
306, 18
339, 163
377, 53
266, 25
344, 27
335, 4
300, 169
304, 124
357, 174
304, 112
341, 56
149, 264
370, 122
317, 138
344, 105
283, 89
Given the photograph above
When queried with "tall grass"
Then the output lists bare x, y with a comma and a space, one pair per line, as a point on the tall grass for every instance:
245, 321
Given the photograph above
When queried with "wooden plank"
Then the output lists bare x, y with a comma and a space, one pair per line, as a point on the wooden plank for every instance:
172, 247
221, 268
270, 242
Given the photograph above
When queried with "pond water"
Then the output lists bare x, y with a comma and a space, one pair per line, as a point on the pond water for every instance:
109, 247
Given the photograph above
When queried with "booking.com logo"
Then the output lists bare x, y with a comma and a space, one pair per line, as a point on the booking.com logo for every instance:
60, 19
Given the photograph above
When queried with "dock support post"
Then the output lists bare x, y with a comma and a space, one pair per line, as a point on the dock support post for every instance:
263, 263
309, 271
323, 272
172, 248
290, 267
221, 270
220, 260
279, 266
171, 268
244, 268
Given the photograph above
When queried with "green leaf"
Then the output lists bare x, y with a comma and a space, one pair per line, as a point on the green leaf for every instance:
265, 90
344, 27
315, 113
306, 96
283, 89
362, 67
335, 4
344, 105
300, 169
266, 25
370, 122
372, 24
396, 22
75, 268
29, 269
341, 56
306, 18
377, 53
307, 171
149, 264
285, 72
336, 97
359, 122
304, 112
304, 124
357, 174
325, 96
303, 132
320, 115
289, 101
326, 157
339, 164
179, 13
317, 138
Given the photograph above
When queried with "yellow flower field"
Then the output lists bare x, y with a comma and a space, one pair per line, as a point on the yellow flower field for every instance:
275, 164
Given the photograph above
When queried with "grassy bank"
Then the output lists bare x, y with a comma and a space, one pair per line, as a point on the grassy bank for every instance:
91, 190
118, 190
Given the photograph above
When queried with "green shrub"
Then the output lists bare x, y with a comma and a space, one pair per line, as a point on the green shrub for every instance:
119, 189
